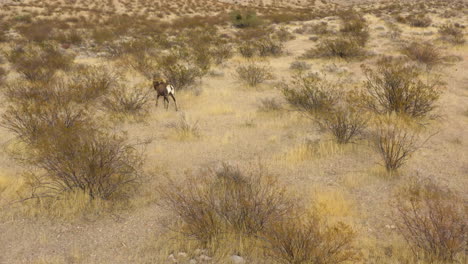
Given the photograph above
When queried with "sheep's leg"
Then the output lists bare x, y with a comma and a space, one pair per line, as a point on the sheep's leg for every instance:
157, 99
175, 102
166, 102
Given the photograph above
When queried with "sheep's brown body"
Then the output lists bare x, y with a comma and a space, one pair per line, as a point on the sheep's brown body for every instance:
164, 89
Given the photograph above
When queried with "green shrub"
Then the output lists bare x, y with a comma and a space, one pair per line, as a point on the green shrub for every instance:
243, 19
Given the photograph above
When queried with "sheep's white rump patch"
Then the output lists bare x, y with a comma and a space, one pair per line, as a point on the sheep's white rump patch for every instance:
170, 89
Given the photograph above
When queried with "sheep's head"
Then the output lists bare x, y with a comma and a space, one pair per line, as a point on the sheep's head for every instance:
159, 81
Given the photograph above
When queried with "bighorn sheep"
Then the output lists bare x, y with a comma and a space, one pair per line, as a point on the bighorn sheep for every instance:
164, 89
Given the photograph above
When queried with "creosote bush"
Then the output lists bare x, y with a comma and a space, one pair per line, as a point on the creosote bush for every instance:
452, 34
424, 53
355, 27
310, 240
395, 86
226, 200
395, 142
39, 63
344, 123
127, 101
432, 219
341, 47
253, 73
309, 94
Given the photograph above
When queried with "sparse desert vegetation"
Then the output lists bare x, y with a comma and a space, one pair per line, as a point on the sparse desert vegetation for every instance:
306, 132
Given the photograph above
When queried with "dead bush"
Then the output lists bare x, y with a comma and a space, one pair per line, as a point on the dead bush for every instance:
432, 219
452, 34
225, 201
310, 94
221, 53
127, 101
395, 87
3, 74
345, 123
310, 240
253, 73
395, 143
424, 53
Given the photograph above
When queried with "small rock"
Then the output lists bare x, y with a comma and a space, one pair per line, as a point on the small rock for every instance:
204, 258
237, 259
172, 258
182, 255
192, 261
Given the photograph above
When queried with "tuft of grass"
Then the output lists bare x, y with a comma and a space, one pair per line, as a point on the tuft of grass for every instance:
185, 129
452, 34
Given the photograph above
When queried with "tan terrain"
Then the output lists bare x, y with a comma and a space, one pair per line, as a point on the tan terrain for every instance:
220, 120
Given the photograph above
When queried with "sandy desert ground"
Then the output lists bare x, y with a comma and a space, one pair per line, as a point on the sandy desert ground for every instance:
221, 120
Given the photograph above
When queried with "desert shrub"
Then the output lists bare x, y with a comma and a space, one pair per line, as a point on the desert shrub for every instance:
102, 34
283, 35
452, 34
395, 87
424, 53
299, 66
243, 19
247, 49
310, 94
418, 20
319, 28
310, 240
127, 101
342, 47
395, 143
253, 73
98, 164
39, 31
89, 83
432, 219
225, 201
39, 64
221, 53
355, 28
344, 123
33, 121
268, 47
143, 63
180, 75
269, 104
